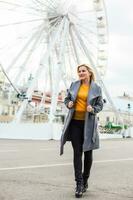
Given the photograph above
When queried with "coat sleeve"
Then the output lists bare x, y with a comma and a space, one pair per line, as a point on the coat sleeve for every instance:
98, 106
68, 97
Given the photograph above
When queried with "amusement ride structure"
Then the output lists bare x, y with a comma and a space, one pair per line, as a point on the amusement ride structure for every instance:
48, 39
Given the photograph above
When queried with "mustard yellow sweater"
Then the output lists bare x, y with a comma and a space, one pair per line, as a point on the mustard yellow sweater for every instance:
81, 102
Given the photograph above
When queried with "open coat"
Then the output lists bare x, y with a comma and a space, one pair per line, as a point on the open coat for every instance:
91, 136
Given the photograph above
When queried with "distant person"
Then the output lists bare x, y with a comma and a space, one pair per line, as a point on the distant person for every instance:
84, 101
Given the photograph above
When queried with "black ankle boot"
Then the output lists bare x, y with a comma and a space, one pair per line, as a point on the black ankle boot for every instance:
79, 190
85, 186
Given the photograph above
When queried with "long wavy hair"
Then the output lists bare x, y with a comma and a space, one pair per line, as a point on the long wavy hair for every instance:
92, 77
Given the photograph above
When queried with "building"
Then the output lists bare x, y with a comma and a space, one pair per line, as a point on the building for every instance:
124, 107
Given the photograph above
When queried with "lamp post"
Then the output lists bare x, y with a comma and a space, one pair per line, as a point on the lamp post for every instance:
129, 121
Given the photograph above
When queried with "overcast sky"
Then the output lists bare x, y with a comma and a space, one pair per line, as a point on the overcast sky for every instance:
119, 77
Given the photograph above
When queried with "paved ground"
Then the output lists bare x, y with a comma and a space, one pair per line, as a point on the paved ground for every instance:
33, 170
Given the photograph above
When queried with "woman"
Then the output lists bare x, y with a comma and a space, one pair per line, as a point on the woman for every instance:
84, 101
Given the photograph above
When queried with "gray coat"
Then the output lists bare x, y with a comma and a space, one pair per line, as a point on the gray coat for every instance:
91, 137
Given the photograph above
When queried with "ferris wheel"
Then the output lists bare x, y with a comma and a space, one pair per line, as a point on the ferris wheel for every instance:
48, 39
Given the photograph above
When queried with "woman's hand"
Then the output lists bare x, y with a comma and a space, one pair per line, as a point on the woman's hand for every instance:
70, 104
89, 108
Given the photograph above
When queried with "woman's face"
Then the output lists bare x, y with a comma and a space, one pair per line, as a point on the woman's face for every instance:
83, 73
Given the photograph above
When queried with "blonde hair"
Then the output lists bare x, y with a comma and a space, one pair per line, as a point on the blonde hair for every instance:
89, 70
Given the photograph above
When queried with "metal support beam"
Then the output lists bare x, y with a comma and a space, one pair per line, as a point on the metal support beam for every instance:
39, 71
32, 49
59, 68
22, 51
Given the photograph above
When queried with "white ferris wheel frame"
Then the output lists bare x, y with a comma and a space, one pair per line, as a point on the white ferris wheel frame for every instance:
65, 27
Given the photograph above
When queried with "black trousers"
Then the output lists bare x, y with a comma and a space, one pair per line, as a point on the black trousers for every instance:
77, 138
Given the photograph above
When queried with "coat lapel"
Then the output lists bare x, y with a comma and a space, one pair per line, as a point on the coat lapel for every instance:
93, 92
74, 90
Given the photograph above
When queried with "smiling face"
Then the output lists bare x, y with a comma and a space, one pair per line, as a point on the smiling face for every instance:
83, 73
